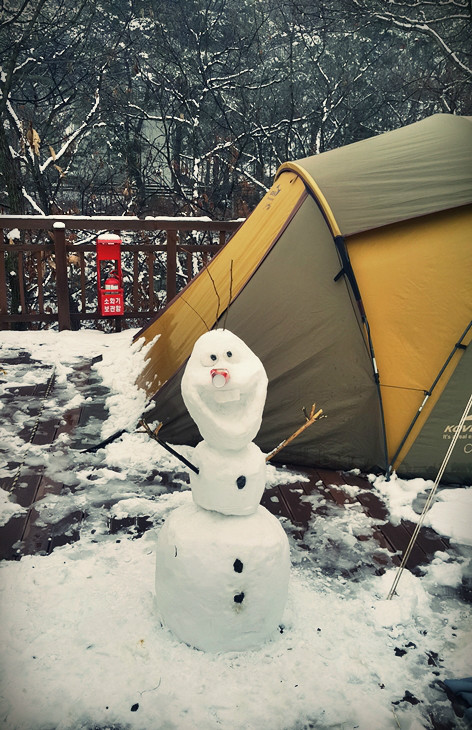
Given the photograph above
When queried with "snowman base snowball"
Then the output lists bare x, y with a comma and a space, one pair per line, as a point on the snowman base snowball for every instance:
221, 581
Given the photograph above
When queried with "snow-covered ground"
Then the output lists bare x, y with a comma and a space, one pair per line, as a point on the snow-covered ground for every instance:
81, 646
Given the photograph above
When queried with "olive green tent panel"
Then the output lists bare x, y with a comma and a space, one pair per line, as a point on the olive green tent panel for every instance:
303, 342
431, 444
412, 171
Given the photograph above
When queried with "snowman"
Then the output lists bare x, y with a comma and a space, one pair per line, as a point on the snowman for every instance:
223, 562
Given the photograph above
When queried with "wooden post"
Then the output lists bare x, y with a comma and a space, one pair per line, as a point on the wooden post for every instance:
171, 265
3, 284
62, 284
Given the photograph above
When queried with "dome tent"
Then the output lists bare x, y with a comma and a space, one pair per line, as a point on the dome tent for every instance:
351, 280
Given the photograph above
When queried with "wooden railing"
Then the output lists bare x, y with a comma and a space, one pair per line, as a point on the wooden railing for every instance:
48, 270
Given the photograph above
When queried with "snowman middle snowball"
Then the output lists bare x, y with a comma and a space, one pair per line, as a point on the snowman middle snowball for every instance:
224, 387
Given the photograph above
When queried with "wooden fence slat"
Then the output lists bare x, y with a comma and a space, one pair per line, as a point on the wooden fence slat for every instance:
150, 261
3, 283
21, 283
62, 284
83, 282
135, 279
189, 265
171, 264
39, 269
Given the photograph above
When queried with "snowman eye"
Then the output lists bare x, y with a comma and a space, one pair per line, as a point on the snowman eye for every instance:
233, 355
207, 360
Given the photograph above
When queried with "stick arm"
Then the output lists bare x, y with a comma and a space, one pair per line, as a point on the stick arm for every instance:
309, 420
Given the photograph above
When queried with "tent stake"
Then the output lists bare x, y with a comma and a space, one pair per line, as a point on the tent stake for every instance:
430, 499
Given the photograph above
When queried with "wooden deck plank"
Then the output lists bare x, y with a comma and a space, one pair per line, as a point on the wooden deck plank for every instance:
19, 390
429, 541
38, 537
28, 486
25, 487
274, 502
10, 548
45, 433
394, 537
299, 511
22, 357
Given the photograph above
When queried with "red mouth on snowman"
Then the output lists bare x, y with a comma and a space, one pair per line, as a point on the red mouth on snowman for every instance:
219, 379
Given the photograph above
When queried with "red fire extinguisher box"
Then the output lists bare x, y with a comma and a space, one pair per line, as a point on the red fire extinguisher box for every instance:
109, 276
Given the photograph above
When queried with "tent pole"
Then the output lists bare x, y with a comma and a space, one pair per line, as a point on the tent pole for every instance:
465, 416
348, 272
377, 383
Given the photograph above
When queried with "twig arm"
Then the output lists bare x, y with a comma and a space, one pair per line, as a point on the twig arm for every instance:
155, 435
314, 416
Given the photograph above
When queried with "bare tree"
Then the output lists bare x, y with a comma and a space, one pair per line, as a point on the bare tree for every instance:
192, 105
51, 84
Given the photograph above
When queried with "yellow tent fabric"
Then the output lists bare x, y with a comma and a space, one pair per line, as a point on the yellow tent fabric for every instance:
196, 309
418, 301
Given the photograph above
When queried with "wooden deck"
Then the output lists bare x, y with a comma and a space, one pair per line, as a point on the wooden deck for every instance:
24, 534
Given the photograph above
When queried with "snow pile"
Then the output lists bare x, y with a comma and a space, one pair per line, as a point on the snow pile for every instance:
451, 515
81, 646
8, 508
119, 369
399, 495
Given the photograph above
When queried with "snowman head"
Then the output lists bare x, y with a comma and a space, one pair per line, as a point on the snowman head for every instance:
224, 388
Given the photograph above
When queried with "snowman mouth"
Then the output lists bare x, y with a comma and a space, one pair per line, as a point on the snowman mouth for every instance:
227, 396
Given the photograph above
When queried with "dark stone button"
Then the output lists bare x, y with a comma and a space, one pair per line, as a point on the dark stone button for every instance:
238, 566
239, 598
241, 482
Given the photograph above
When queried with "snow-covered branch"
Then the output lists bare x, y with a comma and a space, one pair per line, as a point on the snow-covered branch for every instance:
32, 202
72, 137
424, 27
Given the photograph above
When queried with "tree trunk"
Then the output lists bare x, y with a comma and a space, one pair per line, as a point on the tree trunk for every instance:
12, 181
11, 176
